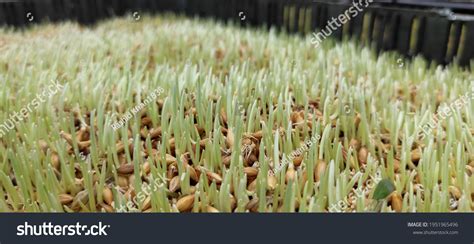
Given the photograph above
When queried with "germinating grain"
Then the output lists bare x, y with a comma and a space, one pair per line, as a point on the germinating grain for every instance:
234, 102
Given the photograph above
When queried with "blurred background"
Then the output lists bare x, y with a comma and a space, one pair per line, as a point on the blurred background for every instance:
440, 30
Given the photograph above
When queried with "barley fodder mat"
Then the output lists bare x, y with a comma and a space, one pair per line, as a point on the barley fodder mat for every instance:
168, 114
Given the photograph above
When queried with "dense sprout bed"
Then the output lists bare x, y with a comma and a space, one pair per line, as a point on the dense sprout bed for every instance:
168, 114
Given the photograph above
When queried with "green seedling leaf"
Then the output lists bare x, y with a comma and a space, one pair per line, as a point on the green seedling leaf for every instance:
383, 189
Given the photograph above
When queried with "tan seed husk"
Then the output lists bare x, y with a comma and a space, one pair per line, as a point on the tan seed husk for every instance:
55, 160
125, 169
79, 183
253, 158
226, 160
290, 174
469, 170
192, 173
155, 132
148, 210
211, 209
271, 182
81, 197
355, 144
172, 171
303, 178
122, 182
296, 118
417, 179
144, 132
252, 186
415, 155
130, 194
251, 172
203, 142
246, 142
84, 144
120, 147
214, 177
131, 178
247, 161
172, 144
146, 168
297, 160
184, 158
357, 120
107, 208
67, 137
146, 121
174, 184
146, 203
230, 139
319, 170
258, 135
223, 116
252, 205
352, 161
170, 159
185, 203
108, 195
455, 192
363, 155
396, 165
65, 199
397, 202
